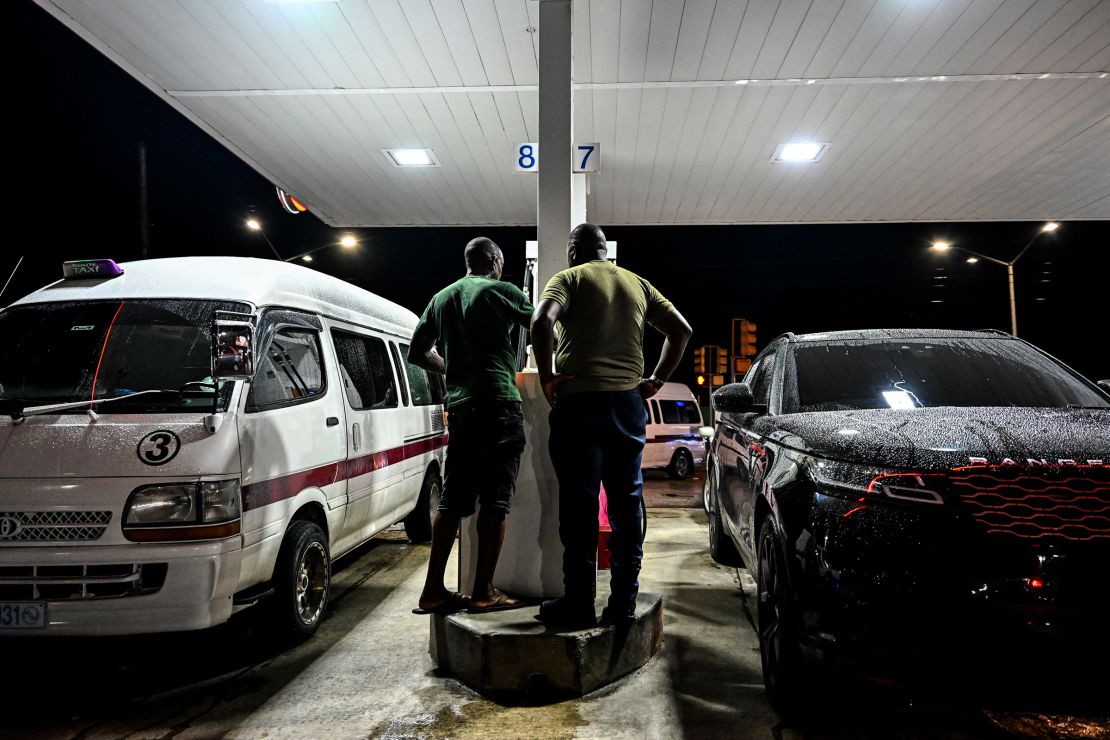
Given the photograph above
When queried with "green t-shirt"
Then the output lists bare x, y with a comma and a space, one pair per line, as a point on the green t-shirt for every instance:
601, 331
473, 319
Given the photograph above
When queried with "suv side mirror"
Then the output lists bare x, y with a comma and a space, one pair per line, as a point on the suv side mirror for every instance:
737, 398
232, 353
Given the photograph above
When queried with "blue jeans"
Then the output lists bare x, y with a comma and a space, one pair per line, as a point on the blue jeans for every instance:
598, 437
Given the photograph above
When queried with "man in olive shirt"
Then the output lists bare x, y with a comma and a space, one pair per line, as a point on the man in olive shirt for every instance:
598, 415
473, 320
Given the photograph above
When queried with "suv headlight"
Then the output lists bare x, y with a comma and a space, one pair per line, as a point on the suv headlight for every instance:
871, 484
183, 511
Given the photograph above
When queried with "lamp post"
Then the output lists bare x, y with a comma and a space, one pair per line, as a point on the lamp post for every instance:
255, 225
347, 241
1048, 228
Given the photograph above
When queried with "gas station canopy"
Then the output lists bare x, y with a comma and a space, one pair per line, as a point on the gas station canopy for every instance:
927, 110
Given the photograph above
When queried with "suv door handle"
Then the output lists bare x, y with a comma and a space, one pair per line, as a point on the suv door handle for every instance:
333, 421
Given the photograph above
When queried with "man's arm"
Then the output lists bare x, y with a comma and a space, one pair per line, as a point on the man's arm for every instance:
543, 345
677, 332
422, 351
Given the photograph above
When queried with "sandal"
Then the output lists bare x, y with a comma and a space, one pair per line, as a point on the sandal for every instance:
496, 603
456, 602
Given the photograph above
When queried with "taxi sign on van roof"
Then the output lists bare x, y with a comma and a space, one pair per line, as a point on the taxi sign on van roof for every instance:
79, 269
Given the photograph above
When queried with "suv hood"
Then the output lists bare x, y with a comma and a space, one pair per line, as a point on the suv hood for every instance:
944, 438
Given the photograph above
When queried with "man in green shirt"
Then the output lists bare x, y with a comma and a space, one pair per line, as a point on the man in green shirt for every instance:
598, 415
472, 319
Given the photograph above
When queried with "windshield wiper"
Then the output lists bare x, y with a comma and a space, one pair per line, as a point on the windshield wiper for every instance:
18, 411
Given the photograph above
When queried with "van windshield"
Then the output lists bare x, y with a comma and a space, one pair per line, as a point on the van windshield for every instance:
67, 352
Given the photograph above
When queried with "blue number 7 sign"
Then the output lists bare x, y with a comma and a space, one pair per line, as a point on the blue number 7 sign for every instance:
587, 158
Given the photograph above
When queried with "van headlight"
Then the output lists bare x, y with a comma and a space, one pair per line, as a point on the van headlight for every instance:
183, 511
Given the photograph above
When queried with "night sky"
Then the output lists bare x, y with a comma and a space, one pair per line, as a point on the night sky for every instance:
75, 188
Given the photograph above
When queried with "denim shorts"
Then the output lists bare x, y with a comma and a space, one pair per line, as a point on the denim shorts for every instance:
483, 457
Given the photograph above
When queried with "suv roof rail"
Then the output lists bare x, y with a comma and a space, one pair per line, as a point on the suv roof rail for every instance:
994, 331
787, 335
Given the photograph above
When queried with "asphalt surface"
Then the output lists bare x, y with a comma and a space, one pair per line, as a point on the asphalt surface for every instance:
367, 672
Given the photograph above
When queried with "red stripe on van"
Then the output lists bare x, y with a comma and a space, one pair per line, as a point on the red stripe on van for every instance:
271, 491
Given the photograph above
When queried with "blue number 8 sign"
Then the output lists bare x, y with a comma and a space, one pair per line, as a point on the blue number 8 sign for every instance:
527, 158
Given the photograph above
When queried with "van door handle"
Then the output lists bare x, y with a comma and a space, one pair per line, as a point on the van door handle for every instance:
333, 421
356, 436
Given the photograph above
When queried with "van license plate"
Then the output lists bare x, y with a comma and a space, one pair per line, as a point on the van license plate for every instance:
22, 615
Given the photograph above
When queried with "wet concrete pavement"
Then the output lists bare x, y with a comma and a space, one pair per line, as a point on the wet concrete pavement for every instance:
367, 672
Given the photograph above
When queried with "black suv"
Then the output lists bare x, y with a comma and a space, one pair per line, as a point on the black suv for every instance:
906, 496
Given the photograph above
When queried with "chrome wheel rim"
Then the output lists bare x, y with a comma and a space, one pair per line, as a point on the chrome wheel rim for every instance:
312, 583
433, 499
682, 465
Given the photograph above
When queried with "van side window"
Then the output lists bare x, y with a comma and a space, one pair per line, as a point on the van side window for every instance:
400, 376
290, 371
680, 412
424, 391
365, 371
655, 415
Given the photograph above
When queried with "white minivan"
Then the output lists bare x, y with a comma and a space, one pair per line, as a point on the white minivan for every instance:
183, 438
674, 438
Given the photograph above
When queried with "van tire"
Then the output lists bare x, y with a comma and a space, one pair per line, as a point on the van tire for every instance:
302, 582
418, 524
682, 465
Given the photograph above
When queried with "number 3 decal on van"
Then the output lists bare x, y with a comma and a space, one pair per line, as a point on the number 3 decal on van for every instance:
158, 448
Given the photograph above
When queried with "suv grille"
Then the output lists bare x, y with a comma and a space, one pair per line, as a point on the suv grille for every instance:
52, 526
1065, 503
64, 582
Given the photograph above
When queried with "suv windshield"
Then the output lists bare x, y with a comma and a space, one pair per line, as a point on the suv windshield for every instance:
66, 352
929, 372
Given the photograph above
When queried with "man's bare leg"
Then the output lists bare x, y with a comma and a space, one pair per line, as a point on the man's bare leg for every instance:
445, 527
491, 534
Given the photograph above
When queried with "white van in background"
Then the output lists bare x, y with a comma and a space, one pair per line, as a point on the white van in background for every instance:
674, 440
183, 438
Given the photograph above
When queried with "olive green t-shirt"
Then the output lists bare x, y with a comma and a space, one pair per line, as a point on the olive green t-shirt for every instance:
473, 319
601, 331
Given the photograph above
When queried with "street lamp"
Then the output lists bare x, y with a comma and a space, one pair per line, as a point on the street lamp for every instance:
347, 241
255, 225
1048, 228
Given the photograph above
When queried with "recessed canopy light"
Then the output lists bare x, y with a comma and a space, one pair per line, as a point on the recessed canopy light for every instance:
1050, 227
941, 246
972, 260
412, 157
799, 151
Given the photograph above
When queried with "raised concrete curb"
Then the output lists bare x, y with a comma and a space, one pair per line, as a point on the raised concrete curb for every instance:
510, 655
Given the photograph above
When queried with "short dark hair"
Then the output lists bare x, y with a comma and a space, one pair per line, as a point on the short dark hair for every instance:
588, 241
481, 252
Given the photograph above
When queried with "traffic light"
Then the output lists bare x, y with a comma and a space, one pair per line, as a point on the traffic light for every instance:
699, 360
747, 339
701, 380
720, 364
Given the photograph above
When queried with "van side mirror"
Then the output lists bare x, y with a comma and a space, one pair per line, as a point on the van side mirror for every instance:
737, 398
232, 353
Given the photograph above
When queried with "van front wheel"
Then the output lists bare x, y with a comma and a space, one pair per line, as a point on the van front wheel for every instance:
682, 465
418, 524
302, 580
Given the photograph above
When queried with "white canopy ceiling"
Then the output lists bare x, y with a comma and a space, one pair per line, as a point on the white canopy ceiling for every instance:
932, 109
